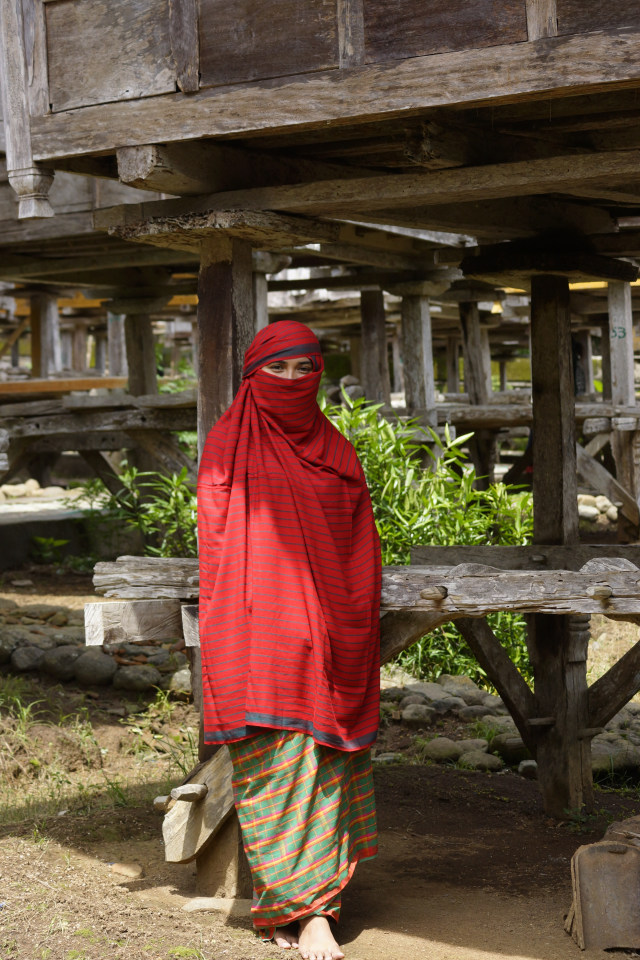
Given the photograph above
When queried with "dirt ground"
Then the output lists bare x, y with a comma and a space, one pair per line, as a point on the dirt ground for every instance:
469, 866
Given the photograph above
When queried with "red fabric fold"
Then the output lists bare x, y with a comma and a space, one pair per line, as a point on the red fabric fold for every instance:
289, 562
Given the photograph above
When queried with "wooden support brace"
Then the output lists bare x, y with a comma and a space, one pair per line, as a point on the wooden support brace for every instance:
165, 451
500, 669
132, 621
612, 691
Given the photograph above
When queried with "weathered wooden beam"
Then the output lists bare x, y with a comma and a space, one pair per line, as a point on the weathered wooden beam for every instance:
141, 354
611, 692
68, 424
515, 266
415, 85
502, 672
225, 326
351, 49
399, 629
542, 19
374, 361
20, 266
183, 32
534, 557
475, 590
132, 621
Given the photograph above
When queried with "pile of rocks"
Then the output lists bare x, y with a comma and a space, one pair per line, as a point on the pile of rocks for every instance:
420, 704
31, 488
597, 511
48, 639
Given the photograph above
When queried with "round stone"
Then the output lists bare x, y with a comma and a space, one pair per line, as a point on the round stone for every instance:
180, 683
140, 677
93, 668
441, 749
26, 658
418, 715
60, 662
477, 760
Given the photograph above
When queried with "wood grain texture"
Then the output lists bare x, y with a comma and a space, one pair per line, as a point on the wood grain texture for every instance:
147, 577
572, 66
188, 827
35, 50
412, 29
68, 424
250, 40
350, 32
417, 352
374, 363
185, 52
551, 557
542, 19
104, 50
137, 620
587, 16
555, 509
613, 690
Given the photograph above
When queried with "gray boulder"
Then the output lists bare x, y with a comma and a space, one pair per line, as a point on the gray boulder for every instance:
8, 643
141, 677
393, 694
418, 715
462, 687
39, 611
27, 657
180, 683
428, 689
60, 662
500, 725
478, 760
472, 713
412, 698
611, 753
448, 705
93, 668
442, 749
466, 746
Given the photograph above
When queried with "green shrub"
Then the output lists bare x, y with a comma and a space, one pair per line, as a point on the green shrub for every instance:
440, 506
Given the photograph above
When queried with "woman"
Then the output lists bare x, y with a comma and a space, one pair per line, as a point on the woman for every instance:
289, 631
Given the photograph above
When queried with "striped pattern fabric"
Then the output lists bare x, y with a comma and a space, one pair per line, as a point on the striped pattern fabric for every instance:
289, 562
307, 814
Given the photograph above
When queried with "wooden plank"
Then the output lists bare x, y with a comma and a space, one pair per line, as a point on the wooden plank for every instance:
72, 424
82, 442
133, 621
476, 592
350, 20
599, 478
185, 52
35, 44
517, 265
621, 343
417, 353
143, 577
547, 557
542, 19
374, 361
418, 29
568, 67
248, 41
188, 827
16, 387
555, 492
104, 50
574, 16
225, 326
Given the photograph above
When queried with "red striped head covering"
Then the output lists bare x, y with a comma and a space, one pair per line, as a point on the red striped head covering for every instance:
289, 562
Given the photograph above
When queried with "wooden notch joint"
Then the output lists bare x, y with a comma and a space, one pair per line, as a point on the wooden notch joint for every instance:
190, 792
588, 732
541, 722
600, 591
434, 593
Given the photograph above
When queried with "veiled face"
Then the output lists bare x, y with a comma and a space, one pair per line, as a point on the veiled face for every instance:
290, 369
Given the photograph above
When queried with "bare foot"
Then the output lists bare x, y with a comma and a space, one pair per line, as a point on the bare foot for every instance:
316, 941
285, 937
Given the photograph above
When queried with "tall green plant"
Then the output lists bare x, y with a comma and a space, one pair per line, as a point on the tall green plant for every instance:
439, 505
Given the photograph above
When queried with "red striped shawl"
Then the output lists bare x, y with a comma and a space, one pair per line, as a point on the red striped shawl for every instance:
289, 562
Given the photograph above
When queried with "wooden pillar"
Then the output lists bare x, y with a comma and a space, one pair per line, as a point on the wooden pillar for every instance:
46, 353
477, 381
625, 444
225, 325
558, 645
116, 345
141, 354
355, 354
583, 363
417, 352
396, 358
66, 349
100, 364
453, 365
79, 347
502, 367
15, 353
374, 360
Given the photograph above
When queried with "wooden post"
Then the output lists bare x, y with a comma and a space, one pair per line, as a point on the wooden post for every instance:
477, 381
355, 353
79, 347
141, 355
558, 645
100, 364
453, 365
396, 359
417, 352
374, 360
225, 325
502, 367
583, 363
46, 352
625, 444
116, 345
